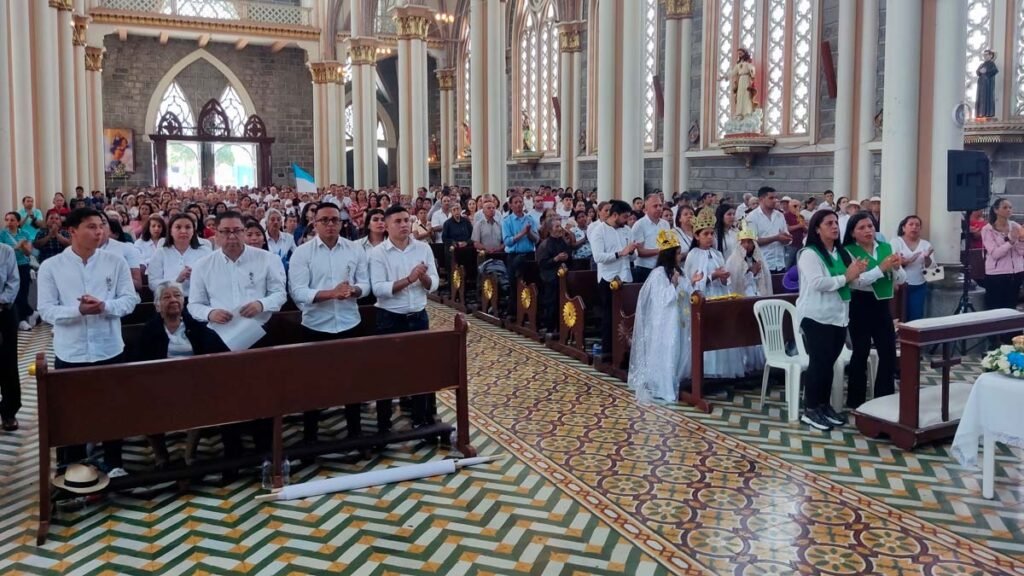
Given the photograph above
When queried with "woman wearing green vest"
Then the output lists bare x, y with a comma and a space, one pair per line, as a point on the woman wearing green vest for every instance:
826, 271
870, 317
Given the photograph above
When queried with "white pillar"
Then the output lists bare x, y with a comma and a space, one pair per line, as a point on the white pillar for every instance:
81, 143
446, 83
947, 93
68, 126
94, 88
7, 191
23, 143
685, 57
497, 97
620, 83
338, 128
900, 123
318, 122
866, 97
569, 45
842, 156
334, 137
678, 24
46, 67
364, 112
478, 98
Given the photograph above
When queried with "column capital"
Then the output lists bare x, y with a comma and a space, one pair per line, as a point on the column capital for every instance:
94, 59
363, 51
413, 22
327, 72
78, 28
446, 78
63, 5
570, 36
677, 9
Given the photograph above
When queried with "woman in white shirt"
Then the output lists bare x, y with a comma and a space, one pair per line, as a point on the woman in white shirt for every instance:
152, 237
173, 261
683, 228
374, 230
915, 255
725, 230
823, 308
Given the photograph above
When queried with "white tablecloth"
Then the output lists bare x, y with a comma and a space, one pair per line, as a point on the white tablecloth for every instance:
996, 406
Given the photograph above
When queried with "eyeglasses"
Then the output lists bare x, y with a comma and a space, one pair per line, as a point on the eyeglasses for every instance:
231, 232
329, 221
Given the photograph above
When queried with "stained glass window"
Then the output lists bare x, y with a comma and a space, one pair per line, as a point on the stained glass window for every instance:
780, 35
221, 9
650, 70
174, 101
233, 107
537, 79
466, 106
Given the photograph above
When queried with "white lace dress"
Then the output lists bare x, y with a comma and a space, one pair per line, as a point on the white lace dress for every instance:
660, 352
717, 363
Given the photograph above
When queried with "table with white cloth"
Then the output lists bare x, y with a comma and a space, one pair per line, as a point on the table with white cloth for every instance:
993, 414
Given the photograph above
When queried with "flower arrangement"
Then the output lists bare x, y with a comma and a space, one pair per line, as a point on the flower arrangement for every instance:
1008, 360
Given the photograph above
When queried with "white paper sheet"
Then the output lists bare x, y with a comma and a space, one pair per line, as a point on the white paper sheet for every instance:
241, 332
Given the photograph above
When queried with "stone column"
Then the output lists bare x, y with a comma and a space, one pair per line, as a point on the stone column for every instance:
327, 141
45, 67
842, 156
620, 84
446, 83
488, 119
81, 143
900, 121
364, 112
866, 108
7, 189
678, 27
412, 24
94, 88
68, 127
947, 93
23, 149
569, 45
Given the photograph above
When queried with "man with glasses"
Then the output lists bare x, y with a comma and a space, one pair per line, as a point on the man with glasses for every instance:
328, 275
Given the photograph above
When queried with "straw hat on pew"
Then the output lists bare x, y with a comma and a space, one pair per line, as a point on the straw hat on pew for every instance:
82, 479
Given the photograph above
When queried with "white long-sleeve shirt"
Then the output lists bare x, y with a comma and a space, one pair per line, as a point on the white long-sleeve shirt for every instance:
65, 278
127, 251
819, 298
314, 266
389, 264
10, 281
283, 246
864, 281
219, 283
605, 243
166, 264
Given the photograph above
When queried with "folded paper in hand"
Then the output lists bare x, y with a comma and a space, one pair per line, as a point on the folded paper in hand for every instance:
241, 332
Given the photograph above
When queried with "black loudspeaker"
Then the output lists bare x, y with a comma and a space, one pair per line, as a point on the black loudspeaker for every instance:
967, 180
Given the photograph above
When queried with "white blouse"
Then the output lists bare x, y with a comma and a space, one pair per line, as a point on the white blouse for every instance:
166, 263
819, 298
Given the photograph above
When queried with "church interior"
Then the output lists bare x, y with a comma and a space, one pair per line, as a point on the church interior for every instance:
576, 390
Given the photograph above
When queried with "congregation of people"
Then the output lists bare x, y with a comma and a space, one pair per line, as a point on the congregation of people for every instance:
212, 257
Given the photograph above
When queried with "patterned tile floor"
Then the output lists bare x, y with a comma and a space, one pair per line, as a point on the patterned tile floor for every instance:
594, 484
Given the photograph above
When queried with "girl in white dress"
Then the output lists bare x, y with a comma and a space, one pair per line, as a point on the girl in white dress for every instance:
705, 259
749, 277
725, 230
660, 352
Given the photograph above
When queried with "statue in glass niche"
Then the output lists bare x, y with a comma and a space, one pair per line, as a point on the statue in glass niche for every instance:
741, 85
527, 134
985, 100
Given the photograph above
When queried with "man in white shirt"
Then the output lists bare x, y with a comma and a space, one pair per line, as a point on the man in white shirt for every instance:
741, 210
772, 231
328, 274
403, 273
609, 241
10, 381
279, 242
645, 235
440, 217
83, 293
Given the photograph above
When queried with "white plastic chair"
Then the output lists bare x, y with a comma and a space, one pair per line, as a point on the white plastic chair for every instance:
839, 373
771, 317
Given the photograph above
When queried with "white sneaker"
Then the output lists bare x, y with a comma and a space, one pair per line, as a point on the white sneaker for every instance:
117, 473
24, 326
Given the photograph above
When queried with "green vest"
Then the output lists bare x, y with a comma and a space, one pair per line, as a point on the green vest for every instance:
835, 267
884, 286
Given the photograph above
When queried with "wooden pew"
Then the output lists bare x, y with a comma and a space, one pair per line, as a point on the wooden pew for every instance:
624, 300
913, 337
462, 274
527, 291
577, 303
75, 405
777, 287
718, 325
489, 292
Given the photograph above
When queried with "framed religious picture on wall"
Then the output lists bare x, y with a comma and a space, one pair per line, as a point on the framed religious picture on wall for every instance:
119, 150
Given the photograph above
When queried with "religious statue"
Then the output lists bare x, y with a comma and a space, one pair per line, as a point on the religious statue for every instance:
741, 85
527, 134
467, 149
985, 106
435, 153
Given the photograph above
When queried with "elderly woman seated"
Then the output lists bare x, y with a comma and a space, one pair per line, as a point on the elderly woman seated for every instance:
173, 334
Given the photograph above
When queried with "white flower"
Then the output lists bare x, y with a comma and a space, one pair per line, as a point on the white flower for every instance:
1004, 365
1005, 349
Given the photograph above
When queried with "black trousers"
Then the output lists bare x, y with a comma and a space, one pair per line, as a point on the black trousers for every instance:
824, 343
21, 300
424, 406
640, 273
1002, 290
514, 263
870, 322
311, 419
10, 381
604, 292
111, 448
549, 304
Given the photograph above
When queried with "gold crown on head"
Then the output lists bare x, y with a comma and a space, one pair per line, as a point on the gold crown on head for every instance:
747, 232
705, 219
667, 240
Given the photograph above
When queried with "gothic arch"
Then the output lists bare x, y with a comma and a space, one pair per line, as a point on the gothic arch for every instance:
172, 73
390, 133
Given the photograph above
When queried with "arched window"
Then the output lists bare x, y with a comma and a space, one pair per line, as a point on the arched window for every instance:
989, 28
780, 35
233, 107
466, 106
174, 101
220, 9
536, 78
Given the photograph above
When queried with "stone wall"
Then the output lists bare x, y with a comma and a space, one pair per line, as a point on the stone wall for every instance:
827, 104
279, 85
792, 175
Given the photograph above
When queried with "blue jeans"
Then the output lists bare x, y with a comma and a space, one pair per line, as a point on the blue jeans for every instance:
916, 296
424, 406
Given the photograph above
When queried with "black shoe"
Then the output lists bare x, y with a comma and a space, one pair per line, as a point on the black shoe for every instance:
834, 418
816, 419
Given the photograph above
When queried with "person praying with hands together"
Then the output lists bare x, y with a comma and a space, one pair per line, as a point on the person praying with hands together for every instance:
1004, 256
612, 250
520, 236
915, 255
